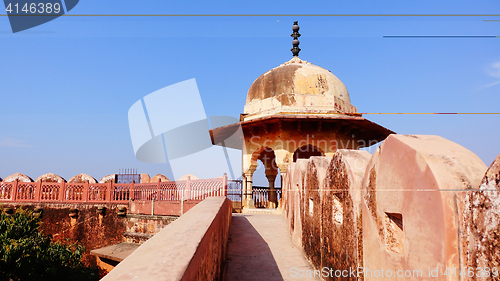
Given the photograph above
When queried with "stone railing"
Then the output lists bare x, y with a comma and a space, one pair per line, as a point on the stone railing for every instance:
191, 248
118, 193
261, 196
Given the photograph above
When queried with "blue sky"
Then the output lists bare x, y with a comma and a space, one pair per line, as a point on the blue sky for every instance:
67, 85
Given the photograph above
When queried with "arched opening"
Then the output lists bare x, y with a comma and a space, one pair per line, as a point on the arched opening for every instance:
265, 175
306, 151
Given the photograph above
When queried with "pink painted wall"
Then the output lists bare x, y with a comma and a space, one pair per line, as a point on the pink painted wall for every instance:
193, 247
416, 179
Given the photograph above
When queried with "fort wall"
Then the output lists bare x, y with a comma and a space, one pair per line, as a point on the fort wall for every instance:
411, 208
196, 247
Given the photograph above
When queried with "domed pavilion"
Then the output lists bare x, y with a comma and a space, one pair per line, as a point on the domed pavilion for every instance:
293, 111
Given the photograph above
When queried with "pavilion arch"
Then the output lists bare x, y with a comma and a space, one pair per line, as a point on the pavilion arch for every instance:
306, 151
268, 157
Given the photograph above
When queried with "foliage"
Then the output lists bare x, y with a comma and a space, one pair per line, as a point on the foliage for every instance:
27, 254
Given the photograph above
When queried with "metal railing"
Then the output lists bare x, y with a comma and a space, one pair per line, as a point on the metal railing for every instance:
235, 190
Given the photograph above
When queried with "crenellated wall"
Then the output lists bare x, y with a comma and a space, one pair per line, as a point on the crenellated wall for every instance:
80, 178
323, 208
411, 191
410, 210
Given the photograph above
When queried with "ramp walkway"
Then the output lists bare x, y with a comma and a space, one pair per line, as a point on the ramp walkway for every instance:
260, 248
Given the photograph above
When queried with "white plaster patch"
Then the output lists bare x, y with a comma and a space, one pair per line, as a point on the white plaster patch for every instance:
338, 211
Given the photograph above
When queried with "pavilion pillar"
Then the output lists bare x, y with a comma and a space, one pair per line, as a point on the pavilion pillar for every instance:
272, 192
247, 191
283, 163
284, 190
243, 190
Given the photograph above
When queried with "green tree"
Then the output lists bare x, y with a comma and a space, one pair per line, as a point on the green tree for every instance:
27, 254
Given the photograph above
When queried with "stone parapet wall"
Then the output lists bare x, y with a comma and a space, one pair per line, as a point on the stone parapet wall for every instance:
480, 226
323, 208
193, 247
411, 191
411, 209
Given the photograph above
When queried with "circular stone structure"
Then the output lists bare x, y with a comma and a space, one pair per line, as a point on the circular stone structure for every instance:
297, 87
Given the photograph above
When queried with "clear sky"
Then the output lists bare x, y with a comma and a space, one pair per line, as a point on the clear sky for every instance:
67, 85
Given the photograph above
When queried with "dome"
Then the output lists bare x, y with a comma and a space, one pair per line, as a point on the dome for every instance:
297, 86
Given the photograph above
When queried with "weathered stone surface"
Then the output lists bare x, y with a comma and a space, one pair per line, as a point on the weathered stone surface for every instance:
159, 177
273, 83
341, 218
297, 86
145, 178
293, 198
142, 227
311, 219
82, 178
323, 209
110, 256
19, 177
481, 226
412, 216
94, 226
186, 176
116, 252
50, 177
108, 178
411, 190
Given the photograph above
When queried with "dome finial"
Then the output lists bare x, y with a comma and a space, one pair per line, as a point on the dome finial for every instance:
295, 50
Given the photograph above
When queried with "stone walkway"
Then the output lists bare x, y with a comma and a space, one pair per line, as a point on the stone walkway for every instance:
260, 248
